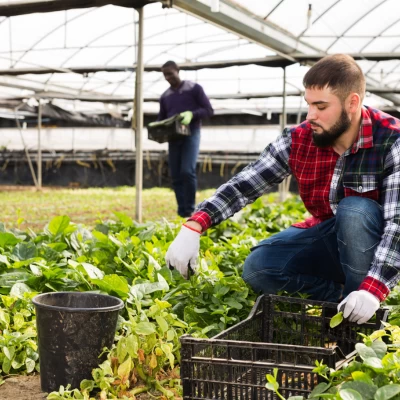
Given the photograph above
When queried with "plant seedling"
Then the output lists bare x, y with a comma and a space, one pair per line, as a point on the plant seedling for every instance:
336, 319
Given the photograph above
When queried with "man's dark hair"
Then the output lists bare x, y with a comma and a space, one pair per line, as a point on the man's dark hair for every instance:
340, 73
171, 64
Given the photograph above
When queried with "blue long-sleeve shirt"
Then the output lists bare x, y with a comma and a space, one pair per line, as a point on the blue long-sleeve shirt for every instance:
189, 96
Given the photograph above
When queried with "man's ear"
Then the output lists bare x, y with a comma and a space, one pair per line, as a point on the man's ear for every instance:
353, 102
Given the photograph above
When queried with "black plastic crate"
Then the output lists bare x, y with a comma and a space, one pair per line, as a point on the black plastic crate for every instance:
280, 332
168, 130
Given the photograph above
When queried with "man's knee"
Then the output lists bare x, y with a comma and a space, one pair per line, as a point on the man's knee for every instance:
188, 175
354, 210
359, 227
261, 277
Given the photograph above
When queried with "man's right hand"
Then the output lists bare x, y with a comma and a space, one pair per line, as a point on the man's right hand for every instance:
187, 117
184, 250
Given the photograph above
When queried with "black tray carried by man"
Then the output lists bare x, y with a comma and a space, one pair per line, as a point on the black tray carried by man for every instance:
168, 129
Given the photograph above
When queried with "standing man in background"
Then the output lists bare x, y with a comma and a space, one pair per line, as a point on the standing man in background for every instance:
189, 100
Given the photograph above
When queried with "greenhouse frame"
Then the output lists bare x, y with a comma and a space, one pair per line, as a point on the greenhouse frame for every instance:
69, 69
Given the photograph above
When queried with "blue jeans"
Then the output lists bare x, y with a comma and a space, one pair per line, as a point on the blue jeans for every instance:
327, 261
182, 158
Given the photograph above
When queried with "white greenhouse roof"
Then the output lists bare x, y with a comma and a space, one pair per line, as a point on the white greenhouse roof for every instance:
91, 52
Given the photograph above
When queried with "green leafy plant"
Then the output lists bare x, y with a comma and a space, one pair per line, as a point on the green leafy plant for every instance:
336, 320
18, 347
126, 259
371, 374
273, 383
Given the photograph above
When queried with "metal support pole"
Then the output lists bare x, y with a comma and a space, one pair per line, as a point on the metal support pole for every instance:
39, 155
138, 121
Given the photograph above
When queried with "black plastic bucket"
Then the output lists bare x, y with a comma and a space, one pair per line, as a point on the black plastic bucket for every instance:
73, 328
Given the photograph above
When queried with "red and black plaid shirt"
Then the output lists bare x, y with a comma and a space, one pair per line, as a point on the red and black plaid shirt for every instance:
370, 168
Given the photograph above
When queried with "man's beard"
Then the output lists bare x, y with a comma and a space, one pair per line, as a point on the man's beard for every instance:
327, 138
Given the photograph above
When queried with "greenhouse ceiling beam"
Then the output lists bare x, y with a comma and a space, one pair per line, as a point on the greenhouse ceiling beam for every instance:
242, 22
269, 61
120, 99
40, 87
21, 7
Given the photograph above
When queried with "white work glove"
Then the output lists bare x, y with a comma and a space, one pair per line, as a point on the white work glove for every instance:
359, 306
184, 250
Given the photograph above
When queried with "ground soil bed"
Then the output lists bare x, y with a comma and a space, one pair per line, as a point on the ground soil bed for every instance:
22, 388
28, 388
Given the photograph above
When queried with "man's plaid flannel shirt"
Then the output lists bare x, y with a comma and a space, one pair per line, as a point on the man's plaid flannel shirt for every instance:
370, 168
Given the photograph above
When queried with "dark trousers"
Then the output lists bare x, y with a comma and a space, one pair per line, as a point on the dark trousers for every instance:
327, 261
182, 158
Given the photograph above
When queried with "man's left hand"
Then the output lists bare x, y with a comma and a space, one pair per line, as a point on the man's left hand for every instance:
359, 306
187, 117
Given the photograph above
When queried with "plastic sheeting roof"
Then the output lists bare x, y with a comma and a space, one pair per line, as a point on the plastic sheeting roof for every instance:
106, 36
10, 8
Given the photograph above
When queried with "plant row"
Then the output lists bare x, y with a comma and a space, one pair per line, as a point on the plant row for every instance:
126, 259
